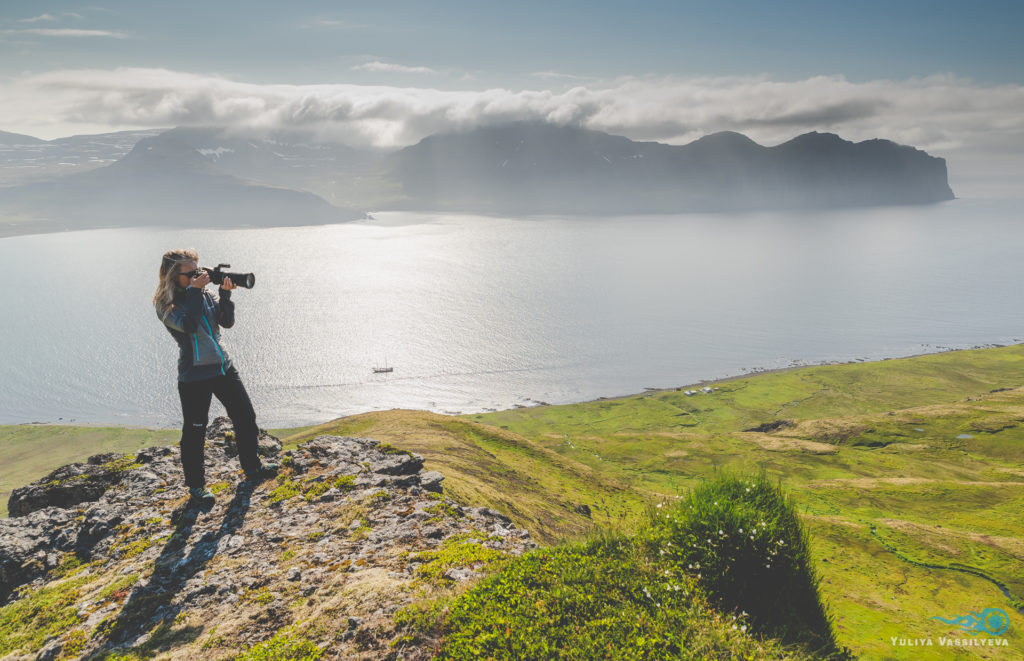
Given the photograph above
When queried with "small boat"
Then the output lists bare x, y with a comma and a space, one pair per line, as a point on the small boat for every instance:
381, 370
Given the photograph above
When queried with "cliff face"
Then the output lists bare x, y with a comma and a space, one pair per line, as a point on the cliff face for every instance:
107, 557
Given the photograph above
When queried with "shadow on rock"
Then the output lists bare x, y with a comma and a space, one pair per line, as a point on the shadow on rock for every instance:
158, 603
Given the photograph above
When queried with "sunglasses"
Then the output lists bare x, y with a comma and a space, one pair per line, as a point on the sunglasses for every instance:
192, 274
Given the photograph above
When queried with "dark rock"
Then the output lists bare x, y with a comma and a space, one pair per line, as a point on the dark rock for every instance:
29, 546
431, 481
69, 485
397, 464
104, 458
99, 522
222, 432
149, 455
774, 425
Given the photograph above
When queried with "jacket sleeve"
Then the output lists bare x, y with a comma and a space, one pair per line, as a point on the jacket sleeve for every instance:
225, 309
186, 318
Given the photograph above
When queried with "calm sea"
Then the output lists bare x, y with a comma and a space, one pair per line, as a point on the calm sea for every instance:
478, 313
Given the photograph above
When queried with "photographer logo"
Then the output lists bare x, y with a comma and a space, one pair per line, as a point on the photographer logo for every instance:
992, 621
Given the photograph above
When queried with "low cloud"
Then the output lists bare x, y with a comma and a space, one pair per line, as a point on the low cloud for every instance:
332, 24
36, 19
391, 68
69, 32
938, 113
556, 75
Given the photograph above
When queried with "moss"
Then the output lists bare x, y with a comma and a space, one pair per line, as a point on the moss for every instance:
387, 448
69, 565
379, 496
457, 553
163, 637
423, 616
360, 533
285, 646
131, 548
287, 489
444, 509
315, 488
262, 596
118, 590
345, 483
35, 616
74, 642
125, 463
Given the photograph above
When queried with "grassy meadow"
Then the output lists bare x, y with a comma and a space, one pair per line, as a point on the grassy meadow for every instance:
907, 474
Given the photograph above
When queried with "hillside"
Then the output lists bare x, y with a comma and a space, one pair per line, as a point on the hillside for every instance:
908, 475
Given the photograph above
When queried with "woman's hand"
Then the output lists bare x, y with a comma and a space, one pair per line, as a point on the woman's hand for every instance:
227, 285
200, 280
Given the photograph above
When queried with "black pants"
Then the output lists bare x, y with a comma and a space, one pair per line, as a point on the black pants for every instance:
195, 407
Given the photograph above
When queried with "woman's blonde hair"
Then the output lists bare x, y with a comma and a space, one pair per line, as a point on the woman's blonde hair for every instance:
172, 259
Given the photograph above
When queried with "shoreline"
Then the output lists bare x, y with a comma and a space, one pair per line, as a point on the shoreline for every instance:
538, 403
790, 368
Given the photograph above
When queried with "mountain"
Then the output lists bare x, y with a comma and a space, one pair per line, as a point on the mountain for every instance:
24, 159
338, 173
536, 168
18, 139
163, 180
218, 176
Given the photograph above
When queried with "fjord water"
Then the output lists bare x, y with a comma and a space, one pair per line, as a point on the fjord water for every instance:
477, 312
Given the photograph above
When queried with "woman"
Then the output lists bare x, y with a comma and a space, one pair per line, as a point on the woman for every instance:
194, 317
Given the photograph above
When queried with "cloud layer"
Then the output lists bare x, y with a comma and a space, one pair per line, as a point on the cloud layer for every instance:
936, 113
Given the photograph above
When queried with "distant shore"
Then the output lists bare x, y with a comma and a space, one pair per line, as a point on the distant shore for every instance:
540, 403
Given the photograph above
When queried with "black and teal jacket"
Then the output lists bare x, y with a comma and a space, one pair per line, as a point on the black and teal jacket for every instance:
195, 320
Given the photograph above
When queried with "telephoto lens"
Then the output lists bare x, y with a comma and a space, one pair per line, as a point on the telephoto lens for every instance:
217, 276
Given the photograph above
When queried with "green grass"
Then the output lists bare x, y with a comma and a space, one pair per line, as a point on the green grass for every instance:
893, 466
621, 597
285, 646
483, 466
39, 614
742, 540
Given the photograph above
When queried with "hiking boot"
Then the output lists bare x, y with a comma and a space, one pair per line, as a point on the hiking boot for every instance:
264, 472
201, 497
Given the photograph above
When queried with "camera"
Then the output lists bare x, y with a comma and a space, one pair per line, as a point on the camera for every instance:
217, 276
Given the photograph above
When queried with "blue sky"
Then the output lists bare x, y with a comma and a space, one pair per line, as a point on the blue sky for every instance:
505, 43
944, 76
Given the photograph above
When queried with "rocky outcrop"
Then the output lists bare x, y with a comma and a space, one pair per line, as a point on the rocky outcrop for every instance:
350, 532
69, 485
79, 483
